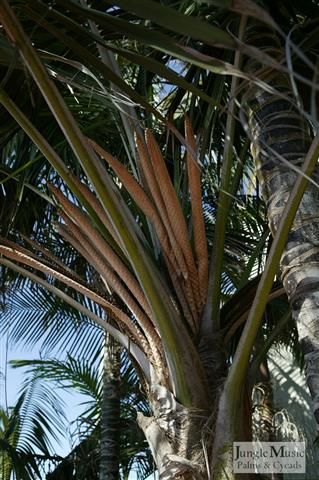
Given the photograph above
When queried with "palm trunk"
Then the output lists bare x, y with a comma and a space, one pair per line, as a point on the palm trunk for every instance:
110, 412
280, 140
175, 435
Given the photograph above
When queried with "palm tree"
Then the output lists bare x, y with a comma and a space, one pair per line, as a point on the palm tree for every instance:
52, 327
275, 152
154, 254
38, 415
32, 316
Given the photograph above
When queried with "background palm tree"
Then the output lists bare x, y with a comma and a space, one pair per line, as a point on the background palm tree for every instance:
83, 462
178, 330
32, 317
57, 323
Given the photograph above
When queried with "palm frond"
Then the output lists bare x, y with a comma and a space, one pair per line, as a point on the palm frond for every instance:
31, 315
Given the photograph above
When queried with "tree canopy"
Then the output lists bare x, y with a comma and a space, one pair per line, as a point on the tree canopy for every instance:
149, 150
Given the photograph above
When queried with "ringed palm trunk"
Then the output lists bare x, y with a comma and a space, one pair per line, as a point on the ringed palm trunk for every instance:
110, 412
280, 138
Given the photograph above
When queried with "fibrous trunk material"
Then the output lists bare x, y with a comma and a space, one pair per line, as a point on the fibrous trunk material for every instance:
280, 139
110, 412
176, 437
